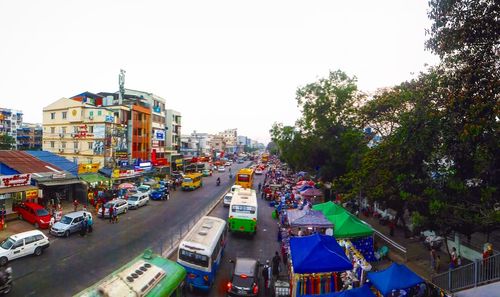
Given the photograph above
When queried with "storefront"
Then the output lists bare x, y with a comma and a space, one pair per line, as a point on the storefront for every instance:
60, 186
16, 189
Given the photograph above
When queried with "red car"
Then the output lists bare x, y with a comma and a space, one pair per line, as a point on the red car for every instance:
34, 214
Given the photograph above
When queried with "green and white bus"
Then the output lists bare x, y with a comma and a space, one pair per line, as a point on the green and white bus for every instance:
148, 275
243, 211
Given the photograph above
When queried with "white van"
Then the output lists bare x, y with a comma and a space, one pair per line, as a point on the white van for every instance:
22, 244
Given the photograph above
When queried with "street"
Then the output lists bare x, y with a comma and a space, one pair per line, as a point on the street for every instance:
72, 264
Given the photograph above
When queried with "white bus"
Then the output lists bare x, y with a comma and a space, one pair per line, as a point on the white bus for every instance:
200, 252
243, 211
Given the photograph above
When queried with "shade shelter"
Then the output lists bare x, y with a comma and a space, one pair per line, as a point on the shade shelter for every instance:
312, 192
329, 208
363, 291
395, 277
348, 226
307, 218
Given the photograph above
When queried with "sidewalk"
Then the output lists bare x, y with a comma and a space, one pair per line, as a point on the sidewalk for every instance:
418, 257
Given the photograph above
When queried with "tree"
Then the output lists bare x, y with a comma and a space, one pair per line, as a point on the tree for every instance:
7, 142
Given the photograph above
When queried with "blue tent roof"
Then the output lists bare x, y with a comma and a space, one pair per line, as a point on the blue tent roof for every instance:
395, 277
317, 253
56, 160
363, 291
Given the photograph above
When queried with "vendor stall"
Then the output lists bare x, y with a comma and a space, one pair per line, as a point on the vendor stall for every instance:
306, 218
395, 277
316, 262
329, 208
314, 195
363, 291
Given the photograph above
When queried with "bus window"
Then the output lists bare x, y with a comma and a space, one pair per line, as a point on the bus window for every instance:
187, 180
193, 258
243, 209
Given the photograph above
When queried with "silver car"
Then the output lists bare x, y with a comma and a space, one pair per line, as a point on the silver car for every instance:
120, 205
70, 223
137, 200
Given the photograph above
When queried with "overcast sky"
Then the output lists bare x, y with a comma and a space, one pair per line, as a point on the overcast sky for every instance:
222, 64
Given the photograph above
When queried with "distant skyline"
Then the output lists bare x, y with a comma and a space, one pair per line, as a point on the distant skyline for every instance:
222, 64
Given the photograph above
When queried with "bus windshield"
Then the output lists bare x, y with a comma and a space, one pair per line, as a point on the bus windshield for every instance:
193, 258
187, 180
243, 177
243, 209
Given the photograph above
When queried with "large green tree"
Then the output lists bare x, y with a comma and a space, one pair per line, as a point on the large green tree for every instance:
6, 142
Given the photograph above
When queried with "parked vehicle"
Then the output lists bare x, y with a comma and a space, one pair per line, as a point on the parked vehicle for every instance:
244, 279
22, 244
120, 205
5, 280
137, 200
69, 224
144, 190
159, 194
34, 214
227, 199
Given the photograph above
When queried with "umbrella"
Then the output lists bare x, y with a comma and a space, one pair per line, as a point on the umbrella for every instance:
311, 192
126, 186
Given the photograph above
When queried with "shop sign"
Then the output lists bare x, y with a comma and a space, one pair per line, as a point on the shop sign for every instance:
15, 180
58, 175
31, 194
159, 135
118, 173
88, 168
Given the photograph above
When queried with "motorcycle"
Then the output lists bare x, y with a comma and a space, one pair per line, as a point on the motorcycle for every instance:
218, 182
5, 280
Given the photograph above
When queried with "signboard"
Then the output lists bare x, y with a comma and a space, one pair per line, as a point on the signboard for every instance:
88, 168
58, 175
31, 194
16, 180
118, 173
159, 135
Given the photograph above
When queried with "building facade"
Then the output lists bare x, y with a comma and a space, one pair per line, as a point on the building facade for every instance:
29, 137
10, 121
230, 139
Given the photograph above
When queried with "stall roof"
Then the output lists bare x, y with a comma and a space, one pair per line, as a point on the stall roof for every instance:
348, 226
317, 253
329, 208
395, 277
23, 162
307, 218
363, 291
311, 192
56, 160
93, 177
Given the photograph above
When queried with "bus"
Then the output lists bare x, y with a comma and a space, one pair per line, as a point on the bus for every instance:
244, 178
243, 211
265, 158
192, 181
158, 277
200, 252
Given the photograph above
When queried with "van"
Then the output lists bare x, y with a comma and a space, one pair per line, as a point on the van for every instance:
70, 223
22, 244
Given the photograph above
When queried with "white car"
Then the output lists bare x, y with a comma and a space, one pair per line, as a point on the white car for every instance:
120, 205
221, 169
258, 171
228, 163
144, 189
137, 200
227, 199
22, 244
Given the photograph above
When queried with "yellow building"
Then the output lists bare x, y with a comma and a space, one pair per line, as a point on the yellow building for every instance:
78, 131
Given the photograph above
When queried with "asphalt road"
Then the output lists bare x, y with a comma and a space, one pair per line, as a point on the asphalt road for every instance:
72, 264
260, 247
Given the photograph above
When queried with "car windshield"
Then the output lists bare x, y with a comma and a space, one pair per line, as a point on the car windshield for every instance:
143, 189
7, 243
133, 198
66, 220
42, 212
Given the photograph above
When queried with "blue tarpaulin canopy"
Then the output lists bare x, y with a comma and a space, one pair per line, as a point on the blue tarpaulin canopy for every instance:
317, 253
363, 291
395, 277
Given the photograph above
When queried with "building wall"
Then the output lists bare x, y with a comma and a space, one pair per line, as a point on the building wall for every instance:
141, 132
29, 137
173, 135
10, 121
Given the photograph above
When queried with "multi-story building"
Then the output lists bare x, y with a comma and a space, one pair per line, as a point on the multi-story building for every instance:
79, 130
217, 144
189, 146
231, 140
10, 121
29, 137
173, 141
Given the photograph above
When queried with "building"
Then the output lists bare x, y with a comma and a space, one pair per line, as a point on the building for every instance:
230, 139
217, 144
173, 138
189, 146
10, 121
29, 137
79, 130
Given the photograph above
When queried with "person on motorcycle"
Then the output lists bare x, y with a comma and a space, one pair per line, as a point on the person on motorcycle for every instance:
218, 181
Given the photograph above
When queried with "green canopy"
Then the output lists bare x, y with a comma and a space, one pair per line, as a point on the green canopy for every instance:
349, 226
329, 208
93, 178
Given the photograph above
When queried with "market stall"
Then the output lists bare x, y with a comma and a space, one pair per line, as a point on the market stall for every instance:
306, 218
395, 277
314, 195
316, 263
363, 291
329, 208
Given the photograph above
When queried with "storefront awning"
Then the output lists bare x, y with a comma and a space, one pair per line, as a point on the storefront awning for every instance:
60, 182
17, 189
93, 178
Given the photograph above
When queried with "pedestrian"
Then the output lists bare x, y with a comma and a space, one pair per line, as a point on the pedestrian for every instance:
85, 208
260, 187
266, 275
75, 205
438, 263
284, 256
110, 213
276, 264
83, 226
90, 223
392, 227
453, 258
300, 233
433, 255
115, 215
52, 222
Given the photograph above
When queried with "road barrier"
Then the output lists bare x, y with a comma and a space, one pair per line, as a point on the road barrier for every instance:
471, 275
395, 246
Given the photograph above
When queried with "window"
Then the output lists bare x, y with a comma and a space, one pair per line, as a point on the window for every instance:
91, 113
243, 209
99, 112
75, 144
64, 114
29, 240
52, 144
63, 144
38, 237
193, 258
63, 130
91, 129
75, 129
52, 115
91, 145
17, 244
52, 130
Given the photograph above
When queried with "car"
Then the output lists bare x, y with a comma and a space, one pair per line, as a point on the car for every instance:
177, 175
69, 223
227, 199
221, 169
120, 205
33, 213
244, 279
228, 163
258, 171
206, 172
159, 194
32, 242
240, 161
144, 189
137, 200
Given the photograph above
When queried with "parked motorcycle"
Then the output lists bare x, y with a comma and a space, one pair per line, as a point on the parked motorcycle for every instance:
5, 280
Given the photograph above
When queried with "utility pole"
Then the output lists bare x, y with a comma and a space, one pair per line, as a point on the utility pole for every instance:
121, 85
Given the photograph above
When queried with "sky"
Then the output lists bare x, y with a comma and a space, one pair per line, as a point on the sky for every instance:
222, 64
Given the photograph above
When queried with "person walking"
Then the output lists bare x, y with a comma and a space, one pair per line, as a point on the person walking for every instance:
266, 275
110, 212
453, 258
276, 264
90, 223
433, 255
115, 215
75, 205
259, 187
83, 226
392, 227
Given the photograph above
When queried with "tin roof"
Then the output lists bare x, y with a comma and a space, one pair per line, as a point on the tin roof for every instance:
25, 163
